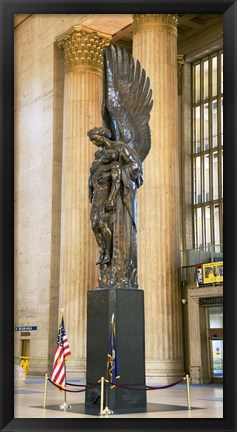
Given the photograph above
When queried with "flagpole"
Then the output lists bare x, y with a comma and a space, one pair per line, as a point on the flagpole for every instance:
64, 406
107, 411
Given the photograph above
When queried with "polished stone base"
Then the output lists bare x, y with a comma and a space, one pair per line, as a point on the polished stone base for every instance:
128, 308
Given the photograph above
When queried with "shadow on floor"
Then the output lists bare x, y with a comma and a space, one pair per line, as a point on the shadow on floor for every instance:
151, 407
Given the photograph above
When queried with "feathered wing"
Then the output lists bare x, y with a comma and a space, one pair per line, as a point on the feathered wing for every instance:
127, 100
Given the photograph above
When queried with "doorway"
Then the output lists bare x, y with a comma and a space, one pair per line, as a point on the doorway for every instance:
217, 360
25, 347
215, 334
25, 355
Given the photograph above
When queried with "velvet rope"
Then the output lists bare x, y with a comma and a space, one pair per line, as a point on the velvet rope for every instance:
147, 387
76, 385
72, 391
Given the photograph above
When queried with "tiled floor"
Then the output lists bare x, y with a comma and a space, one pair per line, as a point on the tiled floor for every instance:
206, 401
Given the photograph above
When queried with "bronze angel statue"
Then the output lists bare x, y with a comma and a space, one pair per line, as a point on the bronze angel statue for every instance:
116, 172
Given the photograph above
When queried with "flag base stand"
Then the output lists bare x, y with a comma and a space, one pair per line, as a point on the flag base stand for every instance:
107, 412
65, 406
128, 308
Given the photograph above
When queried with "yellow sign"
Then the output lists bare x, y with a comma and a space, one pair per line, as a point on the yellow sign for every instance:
213, 272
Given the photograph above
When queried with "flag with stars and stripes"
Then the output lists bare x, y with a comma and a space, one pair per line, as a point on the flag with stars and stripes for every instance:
62, 351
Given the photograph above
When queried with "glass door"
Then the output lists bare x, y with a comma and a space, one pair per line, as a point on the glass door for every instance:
215, 315
217, 359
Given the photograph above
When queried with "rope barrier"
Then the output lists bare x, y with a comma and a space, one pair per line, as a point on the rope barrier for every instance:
102, 380
75, 385
167, 386
146, 387
73, 391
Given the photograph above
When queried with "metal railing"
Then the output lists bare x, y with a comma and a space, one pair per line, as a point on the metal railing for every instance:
202, 255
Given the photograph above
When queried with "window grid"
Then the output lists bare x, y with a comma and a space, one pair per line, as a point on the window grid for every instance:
207, 150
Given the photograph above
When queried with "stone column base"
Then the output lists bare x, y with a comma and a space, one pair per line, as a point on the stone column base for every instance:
164, 371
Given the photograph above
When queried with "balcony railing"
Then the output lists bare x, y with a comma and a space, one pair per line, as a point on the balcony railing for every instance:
202, 255
190, 258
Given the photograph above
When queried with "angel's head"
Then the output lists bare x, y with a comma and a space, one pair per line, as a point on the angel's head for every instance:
98, 136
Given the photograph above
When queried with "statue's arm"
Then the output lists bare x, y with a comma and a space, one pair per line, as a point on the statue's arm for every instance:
129, 160
132, 166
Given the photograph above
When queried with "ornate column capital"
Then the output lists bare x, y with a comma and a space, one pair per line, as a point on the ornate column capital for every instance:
180, 60
83, 48
143, 22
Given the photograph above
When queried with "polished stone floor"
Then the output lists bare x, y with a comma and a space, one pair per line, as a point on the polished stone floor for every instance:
206, 401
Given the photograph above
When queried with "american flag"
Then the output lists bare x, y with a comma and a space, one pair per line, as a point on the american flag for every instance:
62, 351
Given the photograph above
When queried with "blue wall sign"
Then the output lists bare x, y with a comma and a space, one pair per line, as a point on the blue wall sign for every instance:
25, 328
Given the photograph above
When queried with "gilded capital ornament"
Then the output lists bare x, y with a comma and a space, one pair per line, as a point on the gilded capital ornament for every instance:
143, 22
83, 48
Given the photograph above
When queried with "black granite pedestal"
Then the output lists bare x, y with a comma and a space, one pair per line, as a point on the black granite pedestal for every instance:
128, 308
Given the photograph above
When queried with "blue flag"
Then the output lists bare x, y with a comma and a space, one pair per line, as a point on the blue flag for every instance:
113, 366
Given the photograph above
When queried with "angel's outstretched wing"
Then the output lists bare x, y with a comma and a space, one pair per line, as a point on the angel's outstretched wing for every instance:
127, 100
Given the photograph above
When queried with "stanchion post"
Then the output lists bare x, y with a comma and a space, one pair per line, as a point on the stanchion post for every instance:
107, 411
102, 395
188, 392
45, 390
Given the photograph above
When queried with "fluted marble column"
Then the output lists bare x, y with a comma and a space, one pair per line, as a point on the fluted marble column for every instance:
155, 45
82, 104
